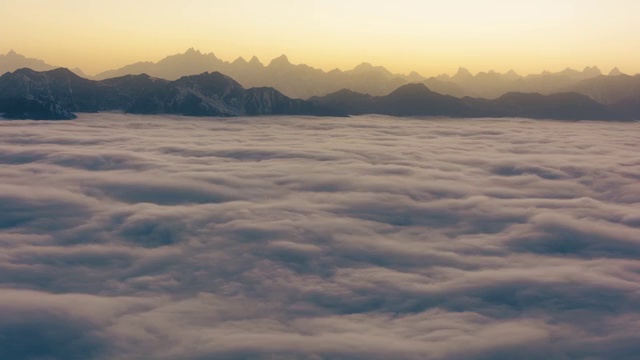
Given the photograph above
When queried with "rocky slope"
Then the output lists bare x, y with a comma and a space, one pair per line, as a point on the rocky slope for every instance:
56, 94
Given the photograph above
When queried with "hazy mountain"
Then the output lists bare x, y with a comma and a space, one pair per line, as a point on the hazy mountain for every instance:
418, 100
297, 81
492, 84
485, 84
13, 61
303, 81
615, 72
609, 89
172, 67
56, 94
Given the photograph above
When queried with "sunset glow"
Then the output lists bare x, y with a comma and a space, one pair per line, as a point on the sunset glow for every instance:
431, 37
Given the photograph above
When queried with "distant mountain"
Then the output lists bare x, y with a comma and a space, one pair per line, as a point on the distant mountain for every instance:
615, 72
549, 83
418, 100
303, 81
56, 94
13, 61
621, 92
609, 89
297, 81
491, 84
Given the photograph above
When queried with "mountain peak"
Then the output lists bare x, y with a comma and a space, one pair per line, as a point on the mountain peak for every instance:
511, 75
594, 70
411, 89
62, 72
192, 51
14, 55
255, 61
365, 66
239, 60
615, 72
414, 76
462, 74
280, 60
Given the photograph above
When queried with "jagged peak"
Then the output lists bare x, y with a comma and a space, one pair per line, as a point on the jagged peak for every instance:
255, 61
463, 73
193, 51
592, 69
280, 60
14, 55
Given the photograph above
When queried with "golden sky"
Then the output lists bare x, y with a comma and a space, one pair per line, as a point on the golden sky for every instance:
429, 36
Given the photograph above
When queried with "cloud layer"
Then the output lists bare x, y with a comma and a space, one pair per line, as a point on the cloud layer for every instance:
302, 238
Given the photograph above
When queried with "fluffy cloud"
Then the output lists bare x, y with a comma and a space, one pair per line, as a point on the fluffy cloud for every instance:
365, 238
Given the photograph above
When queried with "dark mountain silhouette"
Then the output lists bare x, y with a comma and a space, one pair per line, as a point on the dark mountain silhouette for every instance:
418, 100
562, 106
56, 94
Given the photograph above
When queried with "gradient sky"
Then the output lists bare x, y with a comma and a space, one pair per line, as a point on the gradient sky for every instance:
428, 36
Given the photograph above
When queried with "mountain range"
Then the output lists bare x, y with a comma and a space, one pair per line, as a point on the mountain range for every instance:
58, 93
418, 100
303, 81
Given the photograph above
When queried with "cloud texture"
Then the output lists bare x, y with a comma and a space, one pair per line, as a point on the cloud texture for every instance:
127, 237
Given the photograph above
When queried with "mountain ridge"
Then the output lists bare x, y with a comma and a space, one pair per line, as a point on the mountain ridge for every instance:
304, 81
419, 100
57, 94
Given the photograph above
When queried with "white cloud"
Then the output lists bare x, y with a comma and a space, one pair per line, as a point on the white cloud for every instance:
364, 238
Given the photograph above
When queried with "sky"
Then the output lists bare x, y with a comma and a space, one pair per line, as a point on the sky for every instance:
430, 37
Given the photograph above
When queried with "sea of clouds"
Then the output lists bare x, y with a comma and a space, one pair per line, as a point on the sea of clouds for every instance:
126, 237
